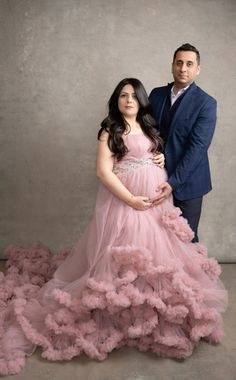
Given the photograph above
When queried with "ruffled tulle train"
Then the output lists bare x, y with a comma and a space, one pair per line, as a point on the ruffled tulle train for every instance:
134, 278
160, 308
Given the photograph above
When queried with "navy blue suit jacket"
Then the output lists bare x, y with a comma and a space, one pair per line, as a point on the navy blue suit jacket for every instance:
190, 134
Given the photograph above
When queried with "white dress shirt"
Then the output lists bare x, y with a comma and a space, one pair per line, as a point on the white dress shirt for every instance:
174, 97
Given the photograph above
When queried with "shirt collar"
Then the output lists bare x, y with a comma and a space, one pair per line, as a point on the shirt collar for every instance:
179, 92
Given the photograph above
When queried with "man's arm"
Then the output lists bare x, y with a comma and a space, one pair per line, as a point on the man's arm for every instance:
198, 143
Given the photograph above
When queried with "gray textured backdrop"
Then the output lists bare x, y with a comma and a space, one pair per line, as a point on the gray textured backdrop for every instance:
60, 60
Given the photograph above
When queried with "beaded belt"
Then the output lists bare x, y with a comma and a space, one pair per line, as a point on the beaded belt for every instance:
131, 165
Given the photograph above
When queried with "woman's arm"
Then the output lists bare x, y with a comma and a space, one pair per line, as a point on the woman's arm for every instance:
104, 167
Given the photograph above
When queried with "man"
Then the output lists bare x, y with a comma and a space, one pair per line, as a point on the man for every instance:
186, 118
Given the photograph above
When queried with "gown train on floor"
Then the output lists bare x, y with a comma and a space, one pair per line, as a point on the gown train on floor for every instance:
134, 278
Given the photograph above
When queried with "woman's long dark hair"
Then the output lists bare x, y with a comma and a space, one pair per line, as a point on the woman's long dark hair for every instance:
116, 125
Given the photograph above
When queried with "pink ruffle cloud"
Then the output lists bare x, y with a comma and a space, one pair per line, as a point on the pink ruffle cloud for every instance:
132, 309
171, 220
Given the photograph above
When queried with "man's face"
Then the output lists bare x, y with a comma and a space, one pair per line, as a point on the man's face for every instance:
185, 68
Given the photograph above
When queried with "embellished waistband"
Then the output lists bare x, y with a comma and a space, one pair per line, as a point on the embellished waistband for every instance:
130, 165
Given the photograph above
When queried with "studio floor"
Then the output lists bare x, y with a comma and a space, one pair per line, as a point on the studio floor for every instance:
207, 363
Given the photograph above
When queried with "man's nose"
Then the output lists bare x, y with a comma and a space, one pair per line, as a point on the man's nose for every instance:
184, 67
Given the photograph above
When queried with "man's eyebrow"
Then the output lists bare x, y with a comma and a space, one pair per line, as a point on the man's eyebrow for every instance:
180, 60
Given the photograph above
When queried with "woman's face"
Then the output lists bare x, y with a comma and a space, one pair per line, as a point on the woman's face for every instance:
127, 102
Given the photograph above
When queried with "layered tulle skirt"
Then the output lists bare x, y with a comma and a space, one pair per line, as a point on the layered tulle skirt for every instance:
134, 278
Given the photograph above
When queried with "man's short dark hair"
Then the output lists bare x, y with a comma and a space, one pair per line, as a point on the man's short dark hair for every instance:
188, 47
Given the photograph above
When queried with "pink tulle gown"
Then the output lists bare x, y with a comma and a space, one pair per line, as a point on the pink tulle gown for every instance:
134, 278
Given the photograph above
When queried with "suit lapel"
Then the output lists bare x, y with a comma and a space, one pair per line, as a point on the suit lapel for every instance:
183, 104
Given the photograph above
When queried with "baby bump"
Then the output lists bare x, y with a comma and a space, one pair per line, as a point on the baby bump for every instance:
142, 178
